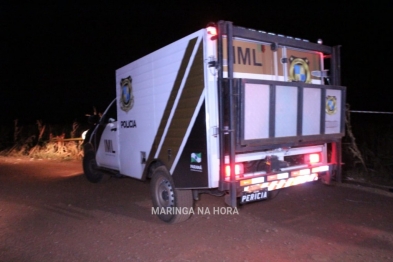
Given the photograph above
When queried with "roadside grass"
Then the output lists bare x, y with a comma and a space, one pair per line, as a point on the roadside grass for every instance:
367, 146
42, 141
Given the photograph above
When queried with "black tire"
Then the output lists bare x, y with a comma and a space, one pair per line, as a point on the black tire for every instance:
273, 194
90, 168
166, 197
326, 178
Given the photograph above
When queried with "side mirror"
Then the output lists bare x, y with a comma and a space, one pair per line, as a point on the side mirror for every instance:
93, 119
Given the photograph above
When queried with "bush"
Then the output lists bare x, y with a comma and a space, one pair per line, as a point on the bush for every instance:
370, 156
42, 140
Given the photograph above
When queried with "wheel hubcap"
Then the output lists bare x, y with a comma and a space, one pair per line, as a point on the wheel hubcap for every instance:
165, 194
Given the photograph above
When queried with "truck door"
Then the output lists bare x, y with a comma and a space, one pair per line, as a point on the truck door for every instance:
108, 148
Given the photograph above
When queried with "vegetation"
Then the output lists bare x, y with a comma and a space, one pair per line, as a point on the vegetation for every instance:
369, 157
367, 146
42, 141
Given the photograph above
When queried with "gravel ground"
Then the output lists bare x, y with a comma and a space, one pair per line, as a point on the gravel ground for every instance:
50, 212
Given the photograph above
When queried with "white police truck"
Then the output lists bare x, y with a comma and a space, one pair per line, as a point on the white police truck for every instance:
226, 110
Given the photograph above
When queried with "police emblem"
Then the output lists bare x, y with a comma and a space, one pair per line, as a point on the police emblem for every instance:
126, 96
299, 70
331, 107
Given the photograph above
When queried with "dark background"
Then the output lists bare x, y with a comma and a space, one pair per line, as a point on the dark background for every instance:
58, 61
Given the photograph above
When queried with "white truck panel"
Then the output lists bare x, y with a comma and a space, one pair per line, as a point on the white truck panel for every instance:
256, 115
333, 116
286, 111
311, 111
153, 77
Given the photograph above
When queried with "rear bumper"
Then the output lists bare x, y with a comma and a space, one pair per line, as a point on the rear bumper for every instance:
278, 180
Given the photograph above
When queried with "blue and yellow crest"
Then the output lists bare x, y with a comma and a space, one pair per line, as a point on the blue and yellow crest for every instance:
126, 96
299, 70
331, 105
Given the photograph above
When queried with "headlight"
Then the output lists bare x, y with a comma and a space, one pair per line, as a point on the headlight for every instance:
84, 134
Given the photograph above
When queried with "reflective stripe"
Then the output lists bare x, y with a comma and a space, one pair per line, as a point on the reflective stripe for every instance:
320, 169
293, 181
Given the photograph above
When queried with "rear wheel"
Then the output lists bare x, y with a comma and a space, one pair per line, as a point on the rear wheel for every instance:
170, 204
326, 178
90, 168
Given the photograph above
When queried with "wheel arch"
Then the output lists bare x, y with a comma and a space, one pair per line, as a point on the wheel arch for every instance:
148, 173
87, 147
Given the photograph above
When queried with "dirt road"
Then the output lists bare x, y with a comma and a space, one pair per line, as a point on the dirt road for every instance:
50, 212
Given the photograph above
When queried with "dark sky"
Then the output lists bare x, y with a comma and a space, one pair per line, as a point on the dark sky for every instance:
58, 61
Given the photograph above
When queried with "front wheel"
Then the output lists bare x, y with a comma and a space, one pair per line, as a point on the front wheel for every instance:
171, 205
90, 168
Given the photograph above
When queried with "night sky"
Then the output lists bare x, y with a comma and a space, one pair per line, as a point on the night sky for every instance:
58, 61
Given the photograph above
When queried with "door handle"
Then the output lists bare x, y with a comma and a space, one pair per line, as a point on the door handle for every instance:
114, 129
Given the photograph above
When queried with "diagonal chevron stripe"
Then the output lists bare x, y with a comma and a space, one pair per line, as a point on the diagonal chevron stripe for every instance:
162, 140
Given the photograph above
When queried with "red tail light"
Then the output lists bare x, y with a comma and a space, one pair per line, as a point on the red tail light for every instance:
239, 170
312, 158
